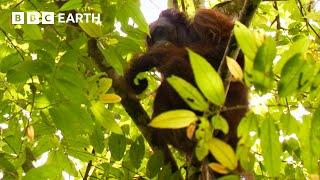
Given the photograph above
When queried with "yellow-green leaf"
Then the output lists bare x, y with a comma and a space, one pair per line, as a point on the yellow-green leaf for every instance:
72, 4
234, 68
224, 153
105, 118
174, 119
207, 79
110, 98
189, 93
92, 29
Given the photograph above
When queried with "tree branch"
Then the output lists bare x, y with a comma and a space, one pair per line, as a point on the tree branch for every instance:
232, 50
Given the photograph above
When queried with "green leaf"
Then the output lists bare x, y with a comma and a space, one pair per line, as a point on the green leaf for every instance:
229, 177
112, 57
295, 75
174, 119
31, 32
72, 120
43, 172
207, 79
247, 124
309, 138
270, 146
262, 75
218, 122
71, 4
137, 151
97, 139
13, 142
202, 149
298, 47
92, 29
246, 157
7, 166
189, 93
246, 40
9, 61
105, 118
23, 71
156, 161
70, 90
132, 9
62, 162
224, 153
117, 146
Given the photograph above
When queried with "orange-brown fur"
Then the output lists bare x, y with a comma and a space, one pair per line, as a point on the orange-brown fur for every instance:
207, 34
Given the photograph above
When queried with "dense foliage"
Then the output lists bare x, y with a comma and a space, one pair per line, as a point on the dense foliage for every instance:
60, 115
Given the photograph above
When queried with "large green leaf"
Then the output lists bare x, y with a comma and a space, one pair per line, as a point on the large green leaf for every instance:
207, 79
59, 159
295, 75
72, 120
246, 40
31, 32
270, 146
298, 47
131, 9
97, 139
117, 146
262, 75
43, 172
137, 151
111, 55
23, 71
189, 93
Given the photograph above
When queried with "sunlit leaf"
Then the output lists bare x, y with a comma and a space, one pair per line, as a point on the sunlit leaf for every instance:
112, 57
218, 122
247, 40
234, 68
223, 153
262, 75
295, 75
71, 4
174, 119
42, 172
61, 160
97, 139
105, 118
207, 79
298, 47
271, 147
189, 93
92, 29
31, 32
110, 98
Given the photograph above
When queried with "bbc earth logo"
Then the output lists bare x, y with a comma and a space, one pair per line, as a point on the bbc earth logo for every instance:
51, 18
